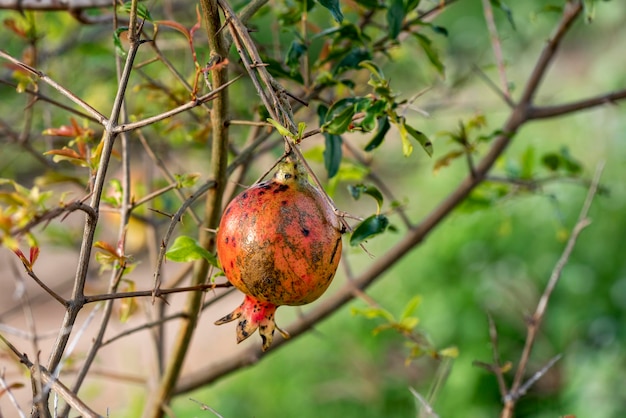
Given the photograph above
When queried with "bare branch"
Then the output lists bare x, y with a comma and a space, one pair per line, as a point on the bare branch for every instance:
537, 318
43, 77
543, 112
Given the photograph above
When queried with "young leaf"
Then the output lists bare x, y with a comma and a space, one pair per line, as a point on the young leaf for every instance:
334, 8
185, 249
411, 306
280, 128
370, 227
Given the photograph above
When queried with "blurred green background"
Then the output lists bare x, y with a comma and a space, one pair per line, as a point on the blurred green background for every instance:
492, 255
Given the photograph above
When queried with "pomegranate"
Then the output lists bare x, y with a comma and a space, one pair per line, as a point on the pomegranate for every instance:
279, 242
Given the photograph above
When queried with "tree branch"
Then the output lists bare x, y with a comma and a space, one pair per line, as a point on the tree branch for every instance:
415, 236
535, 321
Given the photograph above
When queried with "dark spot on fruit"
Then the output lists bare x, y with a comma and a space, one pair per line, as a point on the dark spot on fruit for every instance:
264, 340
305, 232
281, 188
232, 265
284, 203
335, 250
242, 326
265, 185
261, 193
228, 209
226, 240
244, 195
287, 176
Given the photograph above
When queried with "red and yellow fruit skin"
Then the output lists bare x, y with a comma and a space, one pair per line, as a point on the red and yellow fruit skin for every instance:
279, 242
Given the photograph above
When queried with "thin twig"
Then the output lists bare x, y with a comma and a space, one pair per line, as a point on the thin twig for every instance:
497, 48
43, 77
155, 293
535, 321
497, 365
430, 412
381, 265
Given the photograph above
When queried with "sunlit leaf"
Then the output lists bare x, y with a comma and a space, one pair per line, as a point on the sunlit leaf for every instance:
280, 128
411, 306
371, 313
185, 249
452, 352
186, 180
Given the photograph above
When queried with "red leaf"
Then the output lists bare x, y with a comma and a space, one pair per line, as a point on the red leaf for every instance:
34, 253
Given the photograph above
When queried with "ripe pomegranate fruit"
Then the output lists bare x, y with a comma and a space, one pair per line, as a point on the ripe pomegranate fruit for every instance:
279, 242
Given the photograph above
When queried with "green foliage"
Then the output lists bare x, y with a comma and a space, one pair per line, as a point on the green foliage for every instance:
343, 58
185, 249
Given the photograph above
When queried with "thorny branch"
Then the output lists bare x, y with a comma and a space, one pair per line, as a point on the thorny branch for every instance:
517, 118
270, 91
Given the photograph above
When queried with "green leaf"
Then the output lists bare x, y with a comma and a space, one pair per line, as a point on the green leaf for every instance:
369, 190
352, 60
431, 53
377, 139
395, 17
296, 50
340, 122
411, 306
118, 42
142, 10
371, 313
452, 352
551, 161
186, 180
421, 138
374, 225
280, 128
334, 8
411, 5
332, 154
185, 249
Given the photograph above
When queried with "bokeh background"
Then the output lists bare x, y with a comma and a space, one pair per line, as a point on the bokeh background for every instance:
493, 255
